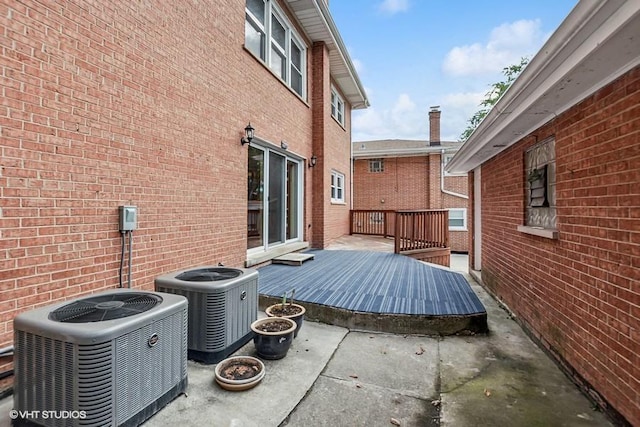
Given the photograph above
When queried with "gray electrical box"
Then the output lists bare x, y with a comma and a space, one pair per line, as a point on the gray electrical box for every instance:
128, 217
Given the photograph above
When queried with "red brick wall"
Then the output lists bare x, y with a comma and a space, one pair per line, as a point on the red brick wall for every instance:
113, 103
338, 158
402, 184
410, 183
580, 294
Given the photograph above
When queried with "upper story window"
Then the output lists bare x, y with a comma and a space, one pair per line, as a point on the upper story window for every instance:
337, 187
376, 165
337, 106
269, 36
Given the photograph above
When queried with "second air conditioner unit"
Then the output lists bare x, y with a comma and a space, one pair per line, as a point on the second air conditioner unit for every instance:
223, 302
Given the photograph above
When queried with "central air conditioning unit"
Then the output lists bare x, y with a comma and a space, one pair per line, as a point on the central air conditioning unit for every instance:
223, 302
111, 359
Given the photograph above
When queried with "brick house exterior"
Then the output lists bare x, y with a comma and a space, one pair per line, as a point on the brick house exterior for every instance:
408, 175
112, 103
564, 256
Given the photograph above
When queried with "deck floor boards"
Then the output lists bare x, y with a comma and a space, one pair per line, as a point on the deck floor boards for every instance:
372, 282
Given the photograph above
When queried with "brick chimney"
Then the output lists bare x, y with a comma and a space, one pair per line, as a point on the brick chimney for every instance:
434, 126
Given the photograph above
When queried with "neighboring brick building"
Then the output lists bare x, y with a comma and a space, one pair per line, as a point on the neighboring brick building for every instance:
556, 201
396, 174
110, 103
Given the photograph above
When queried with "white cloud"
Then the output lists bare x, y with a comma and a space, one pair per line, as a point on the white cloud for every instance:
407, 119
507, 44
457, 108
394, 6
359, 66
404, 120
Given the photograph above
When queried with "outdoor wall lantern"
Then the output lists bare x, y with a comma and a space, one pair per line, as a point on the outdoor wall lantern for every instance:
249, 134
312, 161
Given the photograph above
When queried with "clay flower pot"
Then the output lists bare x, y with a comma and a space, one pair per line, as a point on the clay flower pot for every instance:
239, 373
294, 312
273, 336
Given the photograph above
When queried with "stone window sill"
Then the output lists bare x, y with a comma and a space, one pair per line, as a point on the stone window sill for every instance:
548, 233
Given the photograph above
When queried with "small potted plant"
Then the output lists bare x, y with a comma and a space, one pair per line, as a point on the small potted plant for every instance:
239, 373
289, 310
273, 336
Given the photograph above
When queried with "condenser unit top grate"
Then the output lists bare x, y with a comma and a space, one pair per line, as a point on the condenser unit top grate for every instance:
212, 274
105, 307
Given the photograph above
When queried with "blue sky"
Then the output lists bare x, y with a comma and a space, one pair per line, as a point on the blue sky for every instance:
412, 54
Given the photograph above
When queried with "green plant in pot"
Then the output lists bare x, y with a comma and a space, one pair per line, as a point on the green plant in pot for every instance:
289, 310
273, 336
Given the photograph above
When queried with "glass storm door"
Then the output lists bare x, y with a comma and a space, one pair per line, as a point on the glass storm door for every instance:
274, 200
255, 205
276, 197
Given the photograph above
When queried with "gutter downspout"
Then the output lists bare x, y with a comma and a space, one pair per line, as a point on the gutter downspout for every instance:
451, 193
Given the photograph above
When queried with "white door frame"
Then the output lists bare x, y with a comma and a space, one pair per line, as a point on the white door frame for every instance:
477, 218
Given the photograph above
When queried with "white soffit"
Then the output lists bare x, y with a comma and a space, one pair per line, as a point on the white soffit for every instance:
595, 44
316, 20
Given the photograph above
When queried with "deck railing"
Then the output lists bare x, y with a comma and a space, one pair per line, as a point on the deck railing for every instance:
412, 230
427, 229
373, 222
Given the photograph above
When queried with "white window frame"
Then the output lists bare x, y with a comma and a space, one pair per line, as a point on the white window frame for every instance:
376, 165
337, 106
272, 11
464, 220
337, 187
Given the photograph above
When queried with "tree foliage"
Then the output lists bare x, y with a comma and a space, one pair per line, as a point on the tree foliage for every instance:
493, 95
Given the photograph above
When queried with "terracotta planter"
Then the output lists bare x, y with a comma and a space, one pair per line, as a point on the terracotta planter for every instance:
273, 336
239, 373
273, 311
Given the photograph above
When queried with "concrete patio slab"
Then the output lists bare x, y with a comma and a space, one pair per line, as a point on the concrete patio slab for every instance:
336, 377
285, 384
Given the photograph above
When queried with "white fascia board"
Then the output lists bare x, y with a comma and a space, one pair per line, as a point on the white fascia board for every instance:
591, 31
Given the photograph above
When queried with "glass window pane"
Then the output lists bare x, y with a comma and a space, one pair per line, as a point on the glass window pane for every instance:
255, 199
277, 64
296, 55
254, 39
292, 200
276, 200
256, 7
278, 32
296, 81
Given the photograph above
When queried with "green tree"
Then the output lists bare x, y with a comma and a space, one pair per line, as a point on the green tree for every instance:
493, 95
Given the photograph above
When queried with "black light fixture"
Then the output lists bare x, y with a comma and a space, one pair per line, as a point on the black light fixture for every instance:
249, 134
312, 161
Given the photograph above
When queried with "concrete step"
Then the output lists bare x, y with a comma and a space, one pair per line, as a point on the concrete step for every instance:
294, 258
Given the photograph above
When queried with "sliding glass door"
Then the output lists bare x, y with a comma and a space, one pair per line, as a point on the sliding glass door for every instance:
274, 198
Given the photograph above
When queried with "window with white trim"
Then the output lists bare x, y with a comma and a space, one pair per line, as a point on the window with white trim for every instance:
337, 187
376, 165
337, 106
458, 219
270, 37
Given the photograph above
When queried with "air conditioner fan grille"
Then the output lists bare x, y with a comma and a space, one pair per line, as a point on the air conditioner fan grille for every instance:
209, 274
105, 307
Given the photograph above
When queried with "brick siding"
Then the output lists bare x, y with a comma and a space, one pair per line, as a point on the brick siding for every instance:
578, 294
113, 103
410, 183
